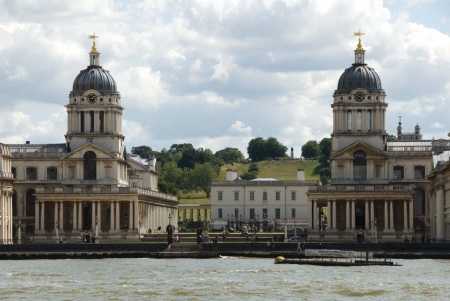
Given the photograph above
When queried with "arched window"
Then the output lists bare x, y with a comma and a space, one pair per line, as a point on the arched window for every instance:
90, 168
359, 120
399, 172
349, 120
369, 120
264, 196
419, 202
419, 172
30, 200
359, 165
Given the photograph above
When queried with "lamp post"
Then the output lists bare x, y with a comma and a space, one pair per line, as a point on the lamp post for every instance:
374, 230
321, 214
169, 230
139, 230
19, 233
228, 222
57, 233
96, 229
285, 230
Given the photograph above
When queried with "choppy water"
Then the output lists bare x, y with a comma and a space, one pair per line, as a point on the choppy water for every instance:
219, 279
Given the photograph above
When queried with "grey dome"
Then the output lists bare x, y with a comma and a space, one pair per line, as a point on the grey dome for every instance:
359, 76
97, 78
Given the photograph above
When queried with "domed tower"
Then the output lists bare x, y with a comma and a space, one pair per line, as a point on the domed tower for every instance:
94, 109
359, 105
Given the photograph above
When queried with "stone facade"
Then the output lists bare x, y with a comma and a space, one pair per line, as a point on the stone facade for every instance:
88, 185
6, 205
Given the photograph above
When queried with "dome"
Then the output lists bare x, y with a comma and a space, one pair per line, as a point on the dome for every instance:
359, 76
97, 78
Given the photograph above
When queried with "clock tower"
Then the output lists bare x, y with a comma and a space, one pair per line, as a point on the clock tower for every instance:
359, 106
94, 110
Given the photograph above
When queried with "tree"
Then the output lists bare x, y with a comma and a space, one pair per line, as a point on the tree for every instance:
310, 149
255, 149
324, 150
325, 175
391, 138
229, 155
253, 168
274, 149
202, 176
143, 151
249, 176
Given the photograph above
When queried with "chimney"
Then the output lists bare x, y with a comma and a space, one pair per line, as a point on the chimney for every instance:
231, 175
300, 175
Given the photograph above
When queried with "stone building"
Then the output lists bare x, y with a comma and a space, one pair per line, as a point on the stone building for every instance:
375, 184
88, 184
6, 192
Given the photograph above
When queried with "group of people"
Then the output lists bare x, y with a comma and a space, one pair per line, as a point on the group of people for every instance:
424, 239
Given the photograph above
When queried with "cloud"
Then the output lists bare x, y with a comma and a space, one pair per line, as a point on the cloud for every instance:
437, 125
240, 128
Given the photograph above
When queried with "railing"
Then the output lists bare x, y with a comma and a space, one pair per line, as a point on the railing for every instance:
265, 183
359, 188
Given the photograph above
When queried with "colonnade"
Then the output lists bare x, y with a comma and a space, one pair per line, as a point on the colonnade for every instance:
6, 220
315, 207
194, 214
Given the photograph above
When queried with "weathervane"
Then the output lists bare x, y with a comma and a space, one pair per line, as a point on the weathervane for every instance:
359, 34
94, 47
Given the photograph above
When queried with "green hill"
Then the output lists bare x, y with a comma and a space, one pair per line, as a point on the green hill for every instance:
283, 171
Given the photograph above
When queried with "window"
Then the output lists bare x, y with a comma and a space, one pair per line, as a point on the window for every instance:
236, 212
419, 172
14, 172
264, 212
252, 196
92, 120
264, 196
419, 202
293, 213
31, 173
377, 97
82, 99
101, 99
368, 97
359, 120
220, 212
236, 195
90, 168
219, 195
349, 120
277, 195
349, 98
108, 215
52, 173
342, 98
293, 195
30, 201
399, 172
277, 213
252, 213
15, 204
369, 120
102, 121
110, 100
359, 165
82, 121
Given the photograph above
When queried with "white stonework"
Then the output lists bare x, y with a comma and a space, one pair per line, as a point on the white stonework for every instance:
6, 205
88, 185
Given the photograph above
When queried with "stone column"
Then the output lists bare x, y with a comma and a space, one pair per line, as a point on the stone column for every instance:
56, 216
136, 215
61, 216
405, 215
334, 215
372, 213
440, 212
352, 220
42, 216
386, 216
74, 217
130, 216
347, 215
391, 215
117, 215
36, 215
329, 215
314, 218
94, 215
411, 216
112, 219
99, 216
367, 215
310, 211
80, 216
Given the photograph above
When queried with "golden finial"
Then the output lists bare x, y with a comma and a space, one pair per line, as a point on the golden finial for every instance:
94, 47
359, 34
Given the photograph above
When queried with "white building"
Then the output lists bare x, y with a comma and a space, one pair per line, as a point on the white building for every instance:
6, 192
88, 184
259, 199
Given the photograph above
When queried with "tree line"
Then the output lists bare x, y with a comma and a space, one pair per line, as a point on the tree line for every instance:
183, 168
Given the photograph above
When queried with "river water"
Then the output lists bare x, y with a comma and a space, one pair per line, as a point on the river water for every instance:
228, 278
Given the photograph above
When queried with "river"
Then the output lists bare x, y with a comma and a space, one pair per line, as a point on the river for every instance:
228, 278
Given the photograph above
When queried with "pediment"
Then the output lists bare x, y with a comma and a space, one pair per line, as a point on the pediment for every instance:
351, 149
99, 152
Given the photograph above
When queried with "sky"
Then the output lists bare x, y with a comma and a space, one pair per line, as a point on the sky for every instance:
217, 74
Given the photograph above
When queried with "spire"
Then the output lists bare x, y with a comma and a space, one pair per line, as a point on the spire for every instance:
94, 54
359, 52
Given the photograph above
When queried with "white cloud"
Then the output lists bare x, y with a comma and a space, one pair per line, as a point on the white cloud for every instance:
437, 125
240, 128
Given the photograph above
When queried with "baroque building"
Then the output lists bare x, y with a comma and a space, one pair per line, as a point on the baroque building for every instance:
88, 185
6, 193
376, 186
